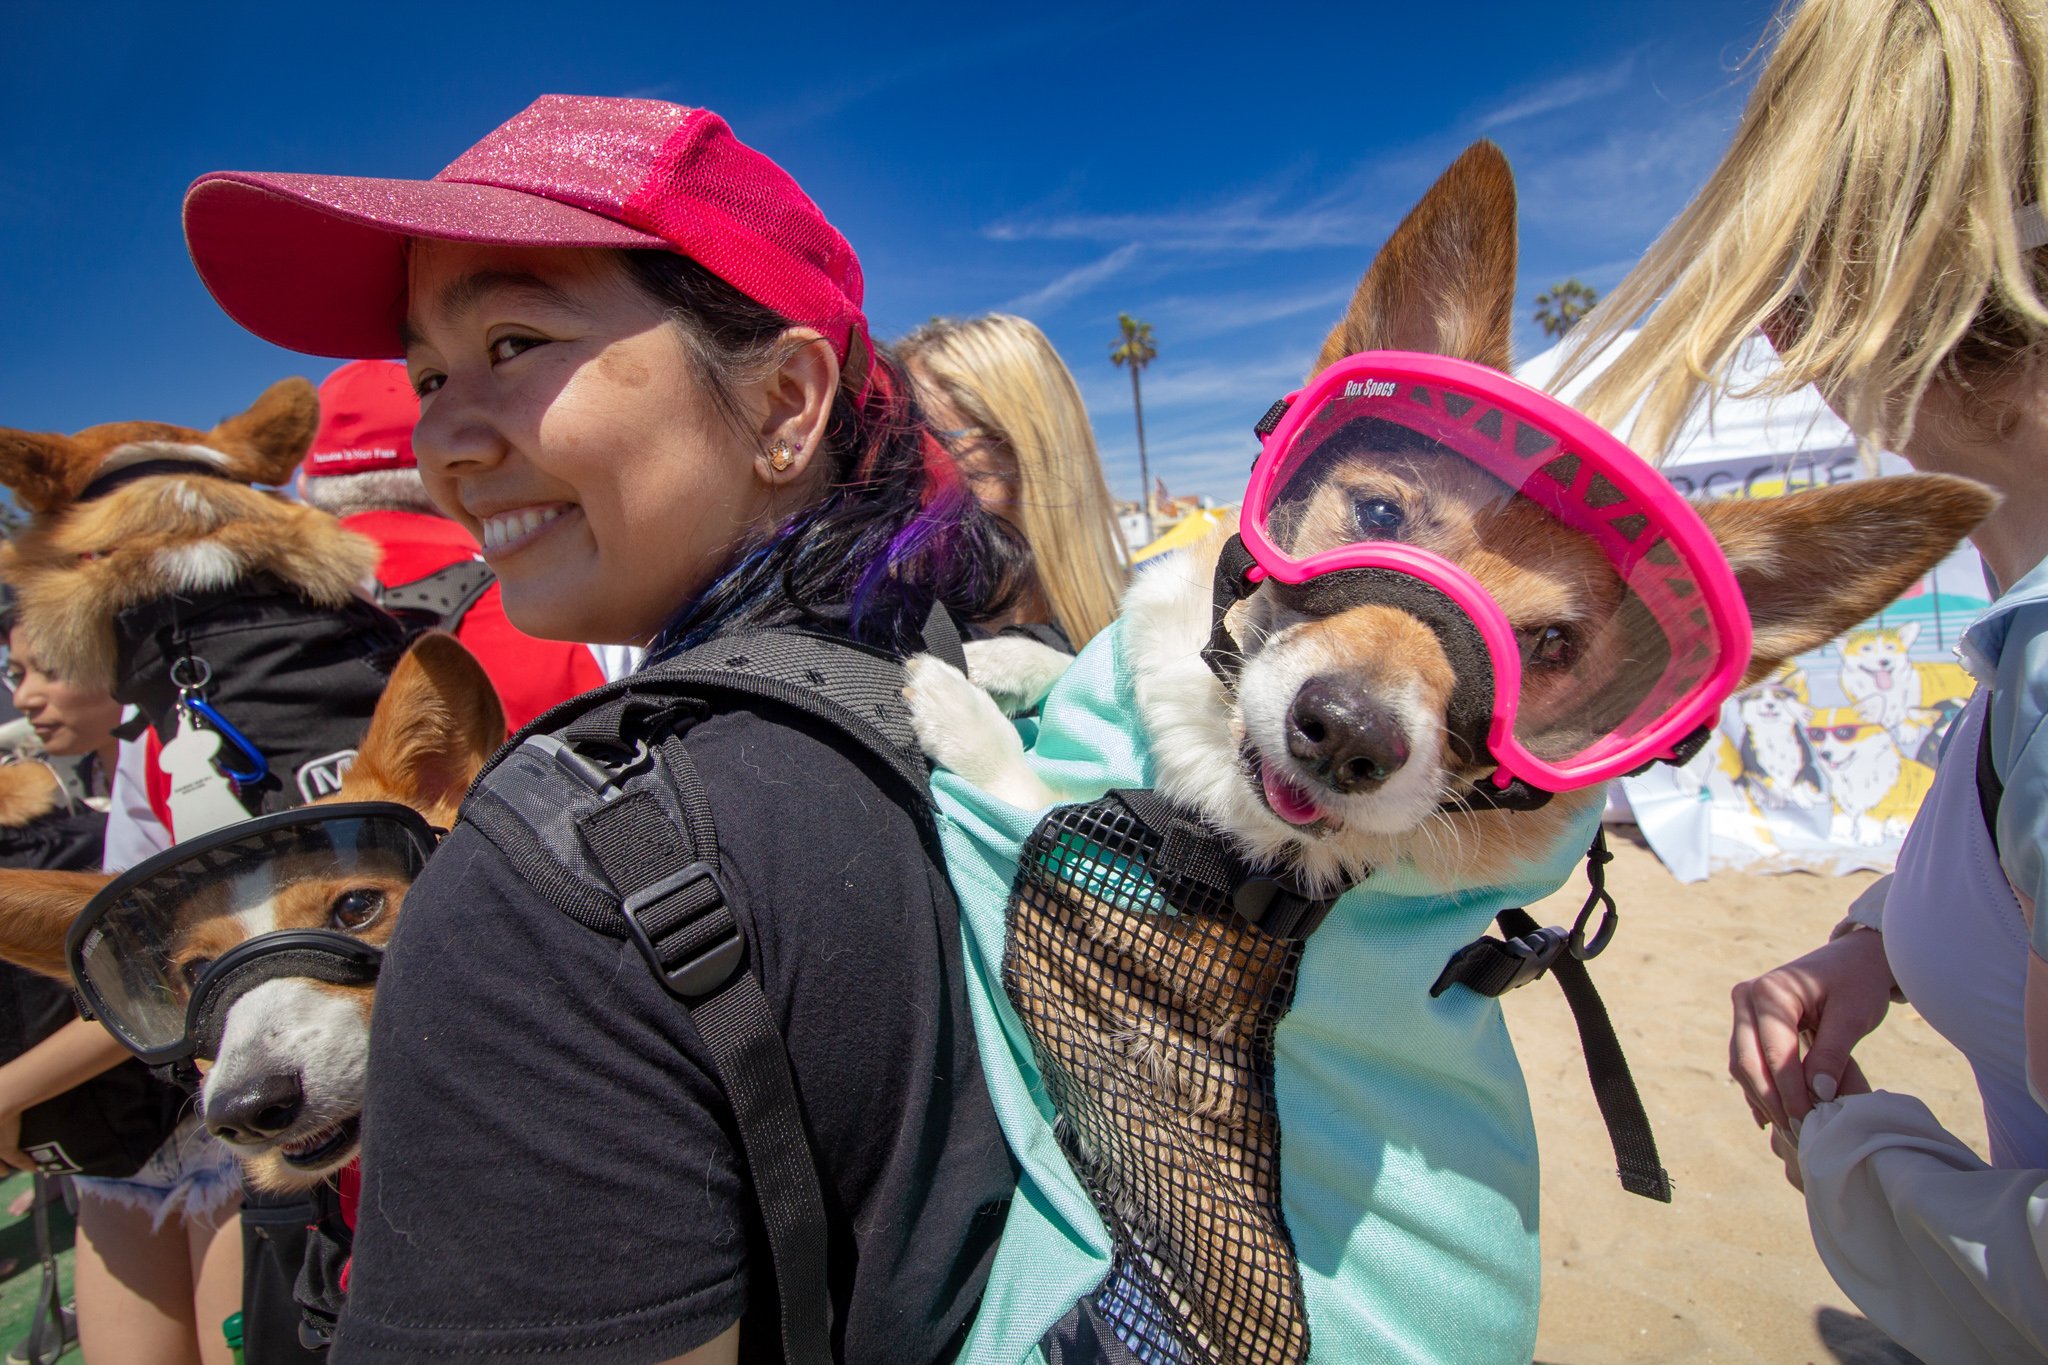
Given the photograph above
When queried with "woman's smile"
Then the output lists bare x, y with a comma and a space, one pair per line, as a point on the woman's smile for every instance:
505, 533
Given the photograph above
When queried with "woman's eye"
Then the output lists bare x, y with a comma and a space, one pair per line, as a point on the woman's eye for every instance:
428, 383
357, 909
1377, 516
192, 969
1553, 646
505, 348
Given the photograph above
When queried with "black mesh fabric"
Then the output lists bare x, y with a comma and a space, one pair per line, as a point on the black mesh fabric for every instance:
1152, 1009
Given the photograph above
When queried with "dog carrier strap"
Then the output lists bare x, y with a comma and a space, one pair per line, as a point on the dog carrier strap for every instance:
446, 594
1191, 853
1990, 787
1526, 950
676, 912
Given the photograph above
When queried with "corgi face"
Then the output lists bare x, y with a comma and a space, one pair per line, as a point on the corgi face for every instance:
1345, 716
1772, 706
1879, 655
287, 1087
1840, 733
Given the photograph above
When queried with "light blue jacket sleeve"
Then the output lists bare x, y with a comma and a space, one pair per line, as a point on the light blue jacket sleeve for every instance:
2019, 752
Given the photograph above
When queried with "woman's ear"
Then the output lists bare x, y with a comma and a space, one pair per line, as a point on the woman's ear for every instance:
796, 408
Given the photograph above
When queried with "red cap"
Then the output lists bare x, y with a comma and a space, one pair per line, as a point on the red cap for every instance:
317, 262
367, 413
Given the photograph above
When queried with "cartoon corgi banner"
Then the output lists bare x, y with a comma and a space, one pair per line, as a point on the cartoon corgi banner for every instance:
1821, 767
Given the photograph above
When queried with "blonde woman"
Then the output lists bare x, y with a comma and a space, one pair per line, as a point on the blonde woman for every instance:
1005, 404
1879, 216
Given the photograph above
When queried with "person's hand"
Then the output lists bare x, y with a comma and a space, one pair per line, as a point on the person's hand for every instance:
10, 1142
1834, 996
1786, 1147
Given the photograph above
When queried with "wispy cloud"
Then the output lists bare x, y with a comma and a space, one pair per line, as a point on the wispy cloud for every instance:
1199, 318
1562, 93
1076, 281
1255, 222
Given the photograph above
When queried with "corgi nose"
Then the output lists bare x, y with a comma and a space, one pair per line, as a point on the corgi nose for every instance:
1350, 741
268, 1105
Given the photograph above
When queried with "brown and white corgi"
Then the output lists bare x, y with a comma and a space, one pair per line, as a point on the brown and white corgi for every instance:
287, 1087
1443, 283
1876, 788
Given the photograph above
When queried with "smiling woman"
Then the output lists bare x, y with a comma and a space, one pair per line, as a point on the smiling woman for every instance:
646, 386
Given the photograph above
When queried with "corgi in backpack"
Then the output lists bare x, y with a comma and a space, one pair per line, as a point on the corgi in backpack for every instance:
1224, 914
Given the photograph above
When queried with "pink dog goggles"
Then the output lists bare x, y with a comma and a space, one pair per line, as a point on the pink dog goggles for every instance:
1592, 620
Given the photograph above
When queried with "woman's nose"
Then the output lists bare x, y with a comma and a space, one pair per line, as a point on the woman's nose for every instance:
455, 435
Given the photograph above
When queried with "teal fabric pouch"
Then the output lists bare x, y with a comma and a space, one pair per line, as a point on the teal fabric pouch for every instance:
1408, 1155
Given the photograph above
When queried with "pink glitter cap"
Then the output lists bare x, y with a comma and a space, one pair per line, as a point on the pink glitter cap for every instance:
316, 263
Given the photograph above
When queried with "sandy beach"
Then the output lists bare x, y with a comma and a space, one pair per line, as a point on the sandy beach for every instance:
1726, 1272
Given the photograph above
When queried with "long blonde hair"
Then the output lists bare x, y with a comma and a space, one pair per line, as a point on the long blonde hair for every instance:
1005, 377
1871, 189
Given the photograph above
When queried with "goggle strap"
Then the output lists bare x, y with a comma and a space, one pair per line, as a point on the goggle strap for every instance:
1270, 423
1223, 654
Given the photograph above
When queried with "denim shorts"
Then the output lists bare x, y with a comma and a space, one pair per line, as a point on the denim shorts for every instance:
192, 1176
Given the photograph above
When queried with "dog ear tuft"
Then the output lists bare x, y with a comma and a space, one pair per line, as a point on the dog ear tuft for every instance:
437, 723
1812, 564
266, 443
41, 467
1445, 281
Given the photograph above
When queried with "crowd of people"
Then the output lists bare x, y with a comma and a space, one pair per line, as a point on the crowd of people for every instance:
638, 383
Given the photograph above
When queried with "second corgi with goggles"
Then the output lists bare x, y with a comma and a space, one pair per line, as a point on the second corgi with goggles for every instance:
1590, 623
283, 902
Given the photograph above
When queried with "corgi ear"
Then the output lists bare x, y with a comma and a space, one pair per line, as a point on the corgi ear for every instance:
266, 443
36, 910
1814, 563
437, 722
44, 469
1445, 281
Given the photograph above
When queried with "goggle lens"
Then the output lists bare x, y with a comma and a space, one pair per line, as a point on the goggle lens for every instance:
1608, 615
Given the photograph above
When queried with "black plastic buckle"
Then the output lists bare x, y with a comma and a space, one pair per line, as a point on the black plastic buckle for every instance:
1532, 955
705, 970
1277, 908
1536, 954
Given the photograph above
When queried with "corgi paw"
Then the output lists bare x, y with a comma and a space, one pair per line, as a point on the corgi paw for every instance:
1015, 671
960, 729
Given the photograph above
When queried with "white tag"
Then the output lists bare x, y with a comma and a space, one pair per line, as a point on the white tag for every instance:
201, 798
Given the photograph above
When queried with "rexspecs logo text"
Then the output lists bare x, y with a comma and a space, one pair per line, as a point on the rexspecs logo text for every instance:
1369, 388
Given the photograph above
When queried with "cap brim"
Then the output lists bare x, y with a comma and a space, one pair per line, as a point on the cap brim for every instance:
316, 263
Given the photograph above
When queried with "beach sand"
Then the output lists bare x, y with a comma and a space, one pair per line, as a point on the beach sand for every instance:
1727, 1272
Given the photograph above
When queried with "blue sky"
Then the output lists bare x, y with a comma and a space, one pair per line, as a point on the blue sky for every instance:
1223, 173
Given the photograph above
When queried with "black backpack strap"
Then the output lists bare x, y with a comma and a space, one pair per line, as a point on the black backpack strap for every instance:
447, 594
1526, 950
677, 913
1990, 787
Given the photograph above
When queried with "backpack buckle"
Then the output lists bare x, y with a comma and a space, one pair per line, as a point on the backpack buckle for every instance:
684, 927
1495, 966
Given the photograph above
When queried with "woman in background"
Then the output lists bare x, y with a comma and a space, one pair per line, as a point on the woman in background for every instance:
1879, 216
1007, 407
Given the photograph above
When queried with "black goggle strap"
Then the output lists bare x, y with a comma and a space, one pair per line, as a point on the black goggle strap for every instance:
1232, 585
321, 954
1524, 952
106, 483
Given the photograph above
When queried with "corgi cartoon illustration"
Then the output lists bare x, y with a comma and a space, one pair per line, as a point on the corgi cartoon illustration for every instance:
1778, 765
1878, 676
1876, 788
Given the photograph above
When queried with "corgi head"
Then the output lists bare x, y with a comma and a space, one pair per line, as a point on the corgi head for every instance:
1347, 755
1880, 654
287, 1086
192, 520
1840, 733
1774, 702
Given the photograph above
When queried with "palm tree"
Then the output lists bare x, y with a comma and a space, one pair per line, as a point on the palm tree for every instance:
1134, 348
1559, 309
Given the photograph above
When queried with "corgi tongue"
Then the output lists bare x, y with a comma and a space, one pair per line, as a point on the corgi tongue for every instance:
1288, 801
1884, 681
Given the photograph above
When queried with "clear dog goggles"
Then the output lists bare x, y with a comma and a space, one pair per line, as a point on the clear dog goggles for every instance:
1591, 618
165, 949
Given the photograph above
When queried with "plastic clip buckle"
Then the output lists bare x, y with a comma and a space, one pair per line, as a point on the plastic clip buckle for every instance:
706, 969
1535, 953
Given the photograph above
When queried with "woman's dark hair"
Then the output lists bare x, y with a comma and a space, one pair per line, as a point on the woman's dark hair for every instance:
896, 529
